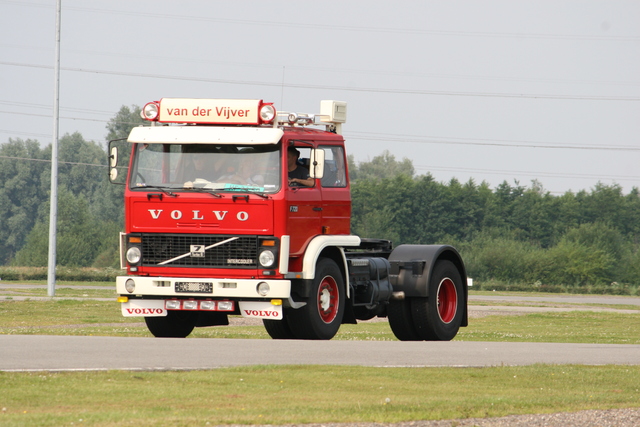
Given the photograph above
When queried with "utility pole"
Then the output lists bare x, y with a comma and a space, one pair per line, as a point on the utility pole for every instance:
53, 213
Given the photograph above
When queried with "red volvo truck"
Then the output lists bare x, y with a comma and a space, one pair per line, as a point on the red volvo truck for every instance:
233, 208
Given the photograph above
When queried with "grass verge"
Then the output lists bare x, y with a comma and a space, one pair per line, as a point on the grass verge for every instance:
302, 394
91, 317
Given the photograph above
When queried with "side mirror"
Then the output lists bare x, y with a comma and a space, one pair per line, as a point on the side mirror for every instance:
316, 163
113, 162
114, 174
113, 158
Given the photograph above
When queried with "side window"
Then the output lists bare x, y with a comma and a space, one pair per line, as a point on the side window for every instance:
298, 167
303, 160
334, 169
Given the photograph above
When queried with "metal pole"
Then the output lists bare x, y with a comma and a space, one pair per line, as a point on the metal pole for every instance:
53, 213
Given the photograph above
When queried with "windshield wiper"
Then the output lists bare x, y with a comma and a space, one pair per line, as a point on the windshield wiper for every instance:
157, 187
243, 189
203, 190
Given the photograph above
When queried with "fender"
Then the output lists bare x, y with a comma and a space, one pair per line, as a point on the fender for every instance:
412, 267
316, 246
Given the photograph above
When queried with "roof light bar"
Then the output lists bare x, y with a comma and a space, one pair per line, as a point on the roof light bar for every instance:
210, 111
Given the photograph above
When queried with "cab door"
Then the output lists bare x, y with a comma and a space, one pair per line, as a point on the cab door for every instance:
304, 206
336, 195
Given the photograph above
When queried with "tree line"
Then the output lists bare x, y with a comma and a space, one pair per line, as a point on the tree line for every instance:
90, 209
511, 236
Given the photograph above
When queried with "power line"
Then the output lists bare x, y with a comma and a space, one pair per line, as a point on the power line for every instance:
49, 161
25, 133
336, 69
48, 115
372, 136
49, 107
338, 88
480, 142
334, 27
527, 173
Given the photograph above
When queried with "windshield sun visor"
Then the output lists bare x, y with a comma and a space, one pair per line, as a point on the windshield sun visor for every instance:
205, 135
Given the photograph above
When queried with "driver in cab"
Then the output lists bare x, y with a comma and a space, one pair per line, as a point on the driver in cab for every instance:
298, 175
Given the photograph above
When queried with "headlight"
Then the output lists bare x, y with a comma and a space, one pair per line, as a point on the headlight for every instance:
267, 113
266, 258
134, 255
150, 111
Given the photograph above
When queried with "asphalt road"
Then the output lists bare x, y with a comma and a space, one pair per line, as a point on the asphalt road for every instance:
62, 353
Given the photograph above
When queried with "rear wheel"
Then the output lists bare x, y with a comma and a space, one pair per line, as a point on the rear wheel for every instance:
321, 317
401, 322
176, 324
438, 317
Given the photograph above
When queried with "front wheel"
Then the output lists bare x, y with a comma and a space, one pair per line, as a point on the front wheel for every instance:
321, 317
176, 324
439, 316
278, 329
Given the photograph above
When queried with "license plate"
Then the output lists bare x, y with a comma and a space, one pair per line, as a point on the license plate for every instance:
197, 287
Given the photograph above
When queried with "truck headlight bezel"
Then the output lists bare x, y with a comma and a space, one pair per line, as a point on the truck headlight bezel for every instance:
134, 255
267, 258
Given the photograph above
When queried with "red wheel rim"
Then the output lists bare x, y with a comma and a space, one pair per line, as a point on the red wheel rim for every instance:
328, 299
447, 300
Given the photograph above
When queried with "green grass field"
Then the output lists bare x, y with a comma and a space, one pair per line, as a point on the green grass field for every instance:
308, 394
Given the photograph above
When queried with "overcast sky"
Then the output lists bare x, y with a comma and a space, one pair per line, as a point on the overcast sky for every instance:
484, 90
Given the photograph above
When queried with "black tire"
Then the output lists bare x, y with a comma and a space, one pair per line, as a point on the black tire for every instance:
176, 324
438, 317
401, 322
278, 329
322, 316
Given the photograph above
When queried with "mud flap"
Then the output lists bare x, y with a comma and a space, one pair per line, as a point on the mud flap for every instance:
144, 308
260, 310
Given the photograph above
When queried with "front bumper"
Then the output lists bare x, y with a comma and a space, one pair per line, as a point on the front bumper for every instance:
211, 288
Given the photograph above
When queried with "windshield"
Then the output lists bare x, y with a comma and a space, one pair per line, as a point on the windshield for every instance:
219, 167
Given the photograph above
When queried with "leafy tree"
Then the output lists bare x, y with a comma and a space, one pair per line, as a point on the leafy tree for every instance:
80, 236
495, 254
24, 178
82, 166
380, 167
125, 119
578, 265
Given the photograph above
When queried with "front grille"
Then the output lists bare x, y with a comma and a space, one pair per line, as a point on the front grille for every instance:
239, 253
